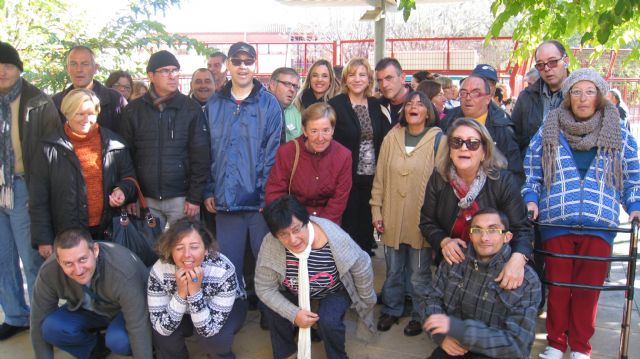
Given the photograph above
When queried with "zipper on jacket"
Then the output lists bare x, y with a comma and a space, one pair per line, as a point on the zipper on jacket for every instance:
160, 156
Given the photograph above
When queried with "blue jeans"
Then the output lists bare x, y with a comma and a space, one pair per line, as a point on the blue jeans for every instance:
410, 262
217, 346
71, 331
232, 231
15, 245
331, 326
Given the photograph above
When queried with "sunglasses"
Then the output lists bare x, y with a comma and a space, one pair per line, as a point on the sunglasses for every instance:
247, 62
457, 142
551, 64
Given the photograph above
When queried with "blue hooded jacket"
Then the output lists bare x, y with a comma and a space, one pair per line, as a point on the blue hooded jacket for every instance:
245, 136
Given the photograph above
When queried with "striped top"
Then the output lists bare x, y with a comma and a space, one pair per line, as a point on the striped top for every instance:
323, 273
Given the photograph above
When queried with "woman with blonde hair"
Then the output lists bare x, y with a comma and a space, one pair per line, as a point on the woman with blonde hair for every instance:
470, 175
320, 85
79, 174
360, 127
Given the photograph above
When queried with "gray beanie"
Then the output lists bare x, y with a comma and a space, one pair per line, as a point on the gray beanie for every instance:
584, 75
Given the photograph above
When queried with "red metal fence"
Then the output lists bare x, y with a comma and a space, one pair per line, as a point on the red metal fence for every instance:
449, 56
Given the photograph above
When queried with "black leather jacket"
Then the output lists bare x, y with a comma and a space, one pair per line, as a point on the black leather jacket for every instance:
347, 131
527, 115
170, 149
440, 210
38, 118
58, 192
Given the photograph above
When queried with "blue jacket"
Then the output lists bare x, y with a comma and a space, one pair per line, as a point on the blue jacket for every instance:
576, 201
244, 139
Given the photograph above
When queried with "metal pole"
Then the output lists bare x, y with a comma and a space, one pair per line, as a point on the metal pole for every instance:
631, 277
380, 34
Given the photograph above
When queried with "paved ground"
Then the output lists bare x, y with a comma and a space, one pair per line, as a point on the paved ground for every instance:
253, 343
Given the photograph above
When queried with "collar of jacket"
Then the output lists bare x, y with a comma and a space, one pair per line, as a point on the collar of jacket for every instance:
176, 102
497, 261
253, 96
497, 116
108, 142
99, 89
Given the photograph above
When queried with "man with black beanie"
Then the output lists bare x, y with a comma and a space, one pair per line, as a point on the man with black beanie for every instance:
26, 115
169, 141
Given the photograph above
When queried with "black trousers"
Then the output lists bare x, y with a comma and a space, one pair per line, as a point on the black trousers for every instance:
356, 220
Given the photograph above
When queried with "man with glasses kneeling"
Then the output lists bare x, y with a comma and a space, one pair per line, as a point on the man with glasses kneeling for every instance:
468, 314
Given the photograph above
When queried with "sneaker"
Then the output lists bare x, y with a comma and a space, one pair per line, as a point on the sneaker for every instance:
8, 330
578, 355
551, 353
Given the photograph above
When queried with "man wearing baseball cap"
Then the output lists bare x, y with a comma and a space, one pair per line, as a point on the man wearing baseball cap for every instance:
26, 115
170, 142
246, 123
488, 73
476, 102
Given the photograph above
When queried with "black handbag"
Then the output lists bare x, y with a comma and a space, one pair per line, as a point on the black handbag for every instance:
138, 234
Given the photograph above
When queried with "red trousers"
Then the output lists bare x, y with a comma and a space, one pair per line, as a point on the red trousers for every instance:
571, 313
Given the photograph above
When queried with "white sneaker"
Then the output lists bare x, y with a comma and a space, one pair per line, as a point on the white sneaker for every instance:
552, 353
578, 355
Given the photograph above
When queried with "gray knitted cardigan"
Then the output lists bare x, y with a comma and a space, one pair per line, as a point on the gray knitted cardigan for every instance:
354, 267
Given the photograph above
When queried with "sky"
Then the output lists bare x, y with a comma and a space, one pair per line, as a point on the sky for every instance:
224, 15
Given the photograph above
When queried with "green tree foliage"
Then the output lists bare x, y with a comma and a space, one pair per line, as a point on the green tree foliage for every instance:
44, 30
600, 24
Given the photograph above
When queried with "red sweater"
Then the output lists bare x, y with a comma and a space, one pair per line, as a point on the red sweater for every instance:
321, 183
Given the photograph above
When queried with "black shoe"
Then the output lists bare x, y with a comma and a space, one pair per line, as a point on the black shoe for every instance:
264, 324
413, 328
386, 321
100, 351
8, 330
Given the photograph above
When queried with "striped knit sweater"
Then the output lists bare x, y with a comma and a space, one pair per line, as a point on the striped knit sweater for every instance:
209, 308
574, 200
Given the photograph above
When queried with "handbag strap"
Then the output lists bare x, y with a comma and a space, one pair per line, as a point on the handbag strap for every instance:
143, 202
295, 163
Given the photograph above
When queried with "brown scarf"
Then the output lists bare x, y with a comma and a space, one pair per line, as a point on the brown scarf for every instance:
159, 102
602, 130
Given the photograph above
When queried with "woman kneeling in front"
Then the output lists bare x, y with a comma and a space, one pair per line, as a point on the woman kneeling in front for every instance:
310, 258
192, 291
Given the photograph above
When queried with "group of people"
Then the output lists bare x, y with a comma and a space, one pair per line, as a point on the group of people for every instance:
305, 176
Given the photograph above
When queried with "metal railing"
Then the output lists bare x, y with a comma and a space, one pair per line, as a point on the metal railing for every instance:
629, 288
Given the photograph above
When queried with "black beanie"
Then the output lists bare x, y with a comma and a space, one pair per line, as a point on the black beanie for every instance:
9, 55
161, 59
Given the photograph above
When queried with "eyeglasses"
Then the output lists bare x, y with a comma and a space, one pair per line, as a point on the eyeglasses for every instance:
246, 62
588, 93
472, 94
491, 232
551, 64
457, 142
285, 234
167, 72
289, 85
324, 132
